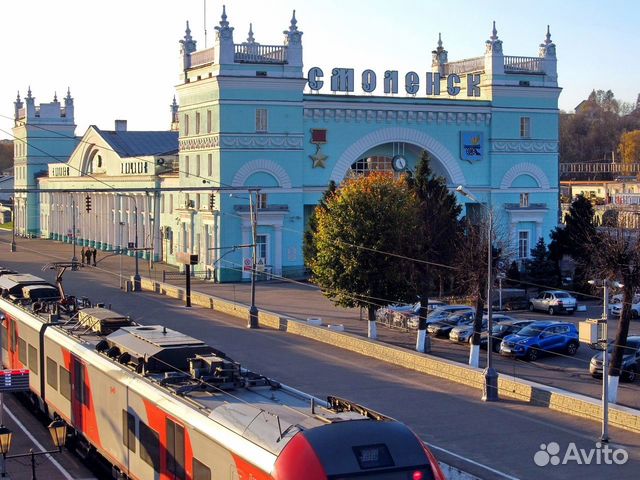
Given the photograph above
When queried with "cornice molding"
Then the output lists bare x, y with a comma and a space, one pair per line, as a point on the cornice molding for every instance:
242, 141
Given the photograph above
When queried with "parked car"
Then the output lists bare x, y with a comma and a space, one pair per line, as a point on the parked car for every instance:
463, 333
501, 330
443, 327
539, 338
389, 313
616, 308
630, 360
553, 301
439, 313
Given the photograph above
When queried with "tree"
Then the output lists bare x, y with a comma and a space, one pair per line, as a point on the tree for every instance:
439, 211
629, 147
308, 243
513, 274
365, 242
6, 154
616, 256
540, 268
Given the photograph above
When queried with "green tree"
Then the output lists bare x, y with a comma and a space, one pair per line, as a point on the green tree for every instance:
6, 154
365, 242
309, 245
540, 268
439, 211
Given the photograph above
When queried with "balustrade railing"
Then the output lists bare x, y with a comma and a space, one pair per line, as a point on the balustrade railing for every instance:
523, 64
202, 57
464, 66
256, 53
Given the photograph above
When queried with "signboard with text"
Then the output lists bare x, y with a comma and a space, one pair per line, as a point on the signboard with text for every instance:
14, 380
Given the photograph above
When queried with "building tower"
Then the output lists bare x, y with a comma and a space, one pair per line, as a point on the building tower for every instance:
43, 134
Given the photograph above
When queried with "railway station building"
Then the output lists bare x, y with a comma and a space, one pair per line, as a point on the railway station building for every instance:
252, 117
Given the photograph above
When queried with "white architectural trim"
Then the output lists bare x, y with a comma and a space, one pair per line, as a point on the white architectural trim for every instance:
267, 166
400, 134
525, 169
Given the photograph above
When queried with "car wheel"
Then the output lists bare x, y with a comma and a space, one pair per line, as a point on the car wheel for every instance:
551, 311
531, 308
532, 354
572, 348
630, 375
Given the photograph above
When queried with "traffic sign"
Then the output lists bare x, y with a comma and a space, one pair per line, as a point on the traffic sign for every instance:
247, 264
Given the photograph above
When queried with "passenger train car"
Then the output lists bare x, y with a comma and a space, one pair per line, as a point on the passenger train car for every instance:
159, 404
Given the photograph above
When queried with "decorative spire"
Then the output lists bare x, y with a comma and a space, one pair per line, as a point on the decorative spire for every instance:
547, 47
29, 92
494, 44
250, 38
55, 97
439, 55
68, 93
293, 35
18, 96
439, 40
224, 30
188, 43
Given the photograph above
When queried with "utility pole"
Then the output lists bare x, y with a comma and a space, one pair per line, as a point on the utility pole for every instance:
13, 224
253, 311
74, 260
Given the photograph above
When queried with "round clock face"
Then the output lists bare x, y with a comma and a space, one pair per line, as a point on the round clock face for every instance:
399, 163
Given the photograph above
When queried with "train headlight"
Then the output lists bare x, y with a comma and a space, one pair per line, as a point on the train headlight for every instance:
417, 475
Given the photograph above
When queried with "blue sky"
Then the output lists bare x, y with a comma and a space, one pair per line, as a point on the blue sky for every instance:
120, 58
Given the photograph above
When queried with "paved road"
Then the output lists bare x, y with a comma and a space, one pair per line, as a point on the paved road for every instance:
496, 440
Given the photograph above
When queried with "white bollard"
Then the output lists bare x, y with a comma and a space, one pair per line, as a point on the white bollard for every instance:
315, 321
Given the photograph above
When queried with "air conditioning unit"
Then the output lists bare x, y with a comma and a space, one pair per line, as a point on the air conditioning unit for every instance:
189, 204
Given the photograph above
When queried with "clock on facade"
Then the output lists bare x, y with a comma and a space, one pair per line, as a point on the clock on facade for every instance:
399, 163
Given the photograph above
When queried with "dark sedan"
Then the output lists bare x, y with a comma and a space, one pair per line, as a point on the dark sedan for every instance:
443, 327
630, 360
501, 330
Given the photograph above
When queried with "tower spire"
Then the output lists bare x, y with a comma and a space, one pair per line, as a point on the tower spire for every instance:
494, 44
188, 43
55, 96
439, 57
250, 38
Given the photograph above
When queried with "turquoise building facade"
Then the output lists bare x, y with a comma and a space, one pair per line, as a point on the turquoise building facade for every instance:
253, 119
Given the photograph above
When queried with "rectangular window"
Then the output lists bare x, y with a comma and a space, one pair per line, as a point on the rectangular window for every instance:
200, 470
5, 338
22, 351
175, 449
33, 359
65, 383
525, 127
208, 121
52, 373
523, 244
186, 124
210, 165
186, 165
170, 203
197, 165
129, 430
261, 120
261, 241
261, 200
149, 446
197, 123
524, 200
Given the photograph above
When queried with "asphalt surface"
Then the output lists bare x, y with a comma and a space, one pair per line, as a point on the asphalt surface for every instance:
490, 440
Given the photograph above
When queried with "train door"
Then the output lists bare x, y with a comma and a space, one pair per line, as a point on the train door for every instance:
175, 451
10, 342
79, 393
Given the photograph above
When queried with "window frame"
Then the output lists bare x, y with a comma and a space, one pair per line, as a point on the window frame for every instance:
521, 239
262, 120
525, 127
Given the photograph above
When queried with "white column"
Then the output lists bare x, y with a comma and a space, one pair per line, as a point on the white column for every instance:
277, 262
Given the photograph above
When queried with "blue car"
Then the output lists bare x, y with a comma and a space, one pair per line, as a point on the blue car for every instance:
541, 337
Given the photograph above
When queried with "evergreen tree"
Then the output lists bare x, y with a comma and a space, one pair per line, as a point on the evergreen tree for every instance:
308, 242
540, 267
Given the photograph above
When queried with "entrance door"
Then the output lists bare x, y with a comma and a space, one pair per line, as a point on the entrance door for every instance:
79, 394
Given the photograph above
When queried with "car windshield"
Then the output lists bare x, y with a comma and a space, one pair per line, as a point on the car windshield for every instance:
500, 328
562, 295
632, 344
531, 331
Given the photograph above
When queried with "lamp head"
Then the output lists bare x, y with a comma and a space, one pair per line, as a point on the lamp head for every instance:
5, 439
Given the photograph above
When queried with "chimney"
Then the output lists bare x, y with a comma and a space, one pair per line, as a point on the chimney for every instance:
121, 125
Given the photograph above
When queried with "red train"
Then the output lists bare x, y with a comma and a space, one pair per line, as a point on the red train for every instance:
159, 404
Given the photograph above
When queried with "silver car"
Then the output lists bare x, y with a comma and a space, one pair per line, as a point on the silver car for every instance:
463, 333
439, 313
553, 301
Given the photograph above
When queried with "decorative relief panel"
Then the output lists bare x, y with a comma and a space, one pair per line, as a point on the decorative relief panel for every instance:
262, 142
524, 146
395, 116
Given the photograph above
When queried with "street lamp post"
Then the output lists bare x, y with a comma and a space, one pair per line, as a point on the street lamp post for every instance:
13, 224
253, 310
490, 390
74, 260
58, 432
137, 284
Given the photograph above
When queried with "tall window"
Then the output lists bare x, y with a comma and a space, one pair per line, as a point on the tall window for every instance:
210, 165
524, 200
175, 451
523, 244
261, 119
197, 165
261, 242
186, 165
208, 121
186, 124
261, 200
525, 127
197, 123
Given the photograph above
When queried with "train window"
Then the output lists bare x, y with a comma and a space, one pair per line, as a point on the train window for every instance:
80, 387
129, 430
14, 335
33, 359
65, 383
22, 351
200, 470
175, 449
52, 373
149, 446
4, 333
